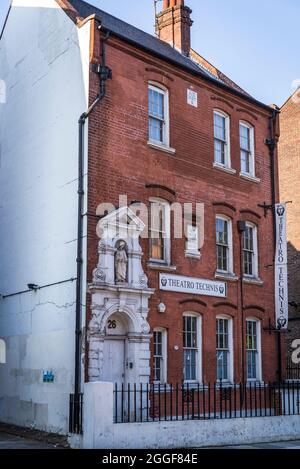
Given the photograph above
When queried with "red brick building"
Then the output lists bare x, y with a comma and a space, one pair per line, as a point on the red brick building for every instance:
172, 128
289, 172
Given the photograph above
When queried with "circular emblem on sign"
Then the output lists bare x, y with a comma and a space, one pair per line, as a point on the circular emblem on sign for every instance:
281, 322
221, 289
280, 210
164, 282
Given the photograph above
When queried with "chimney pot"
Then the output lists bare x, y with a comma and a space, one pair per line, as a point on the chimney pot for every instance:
174, 26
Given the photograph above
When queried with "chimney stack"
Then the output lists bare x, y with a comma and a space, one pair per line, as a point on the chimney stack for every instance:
173, 25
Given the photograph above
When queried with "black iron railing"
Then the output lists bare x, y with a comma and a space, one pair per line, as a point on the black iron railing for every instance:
152, 402
76, 413
292, 370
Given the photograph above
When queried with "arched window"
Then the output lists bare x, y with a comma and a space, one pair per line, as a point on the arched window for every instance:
224, 348
160, 231
253, 349
160, 355
250, 251
158, 114
224, 245
192, 347
222, 139
247, 149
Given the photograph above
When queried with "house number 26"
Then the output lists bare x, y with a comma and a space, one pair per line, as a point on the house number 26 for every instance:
112, 324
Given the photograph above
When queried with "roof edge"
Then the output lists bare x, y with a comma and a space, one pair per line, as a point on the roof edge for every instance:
70, 11
297, 90
245, 97
79, 21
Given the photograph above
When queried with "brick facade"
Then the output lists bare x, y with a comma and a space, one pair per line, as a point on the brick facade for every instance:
289, 171
121, 162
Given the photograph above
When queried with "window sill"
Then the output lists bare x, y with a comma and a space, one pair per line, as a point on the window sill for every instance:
253, 281
224, 168
249, 177
161, 146
224, 384
255, 380
226, 276
193, 384
193, 255
157, 266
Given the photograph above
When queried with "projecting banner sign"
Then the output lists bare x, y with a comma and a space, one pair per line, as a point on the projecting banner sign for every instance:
281, 273
195, 286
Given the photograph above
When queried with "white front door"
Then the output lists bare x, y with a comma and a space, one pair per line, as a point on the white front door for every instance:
114, 360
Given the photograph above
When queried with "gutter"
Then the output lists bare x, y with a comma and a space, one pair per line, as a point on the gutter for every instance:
192, 72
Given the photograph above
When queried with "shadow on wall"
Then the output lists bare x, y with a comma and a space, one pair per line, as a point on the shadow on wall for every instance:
2, 351
294, 296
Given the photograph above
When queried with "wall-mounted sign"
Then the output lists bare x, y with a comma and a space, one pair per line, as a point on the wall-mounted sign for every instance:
281, 273
194, 286
192, 98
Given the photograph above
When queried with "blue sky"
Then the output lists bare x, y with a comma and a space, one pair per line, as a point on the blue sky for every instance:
255, 44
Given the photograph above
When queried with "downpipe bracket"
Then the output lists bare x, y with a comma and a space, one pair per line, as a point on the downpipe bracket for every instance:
104, 72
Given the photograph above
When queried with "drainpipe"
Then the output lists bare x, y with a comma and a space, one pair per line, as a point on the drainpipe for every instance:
272, 144
104, 74
241, 225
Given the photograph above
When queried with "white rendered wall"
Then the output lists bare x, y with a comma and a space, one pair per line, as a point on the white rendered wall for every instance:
100, 432
44, 64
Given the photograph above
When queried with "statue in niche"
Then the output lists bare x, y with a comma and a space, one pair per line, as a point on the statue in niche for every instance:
121, 262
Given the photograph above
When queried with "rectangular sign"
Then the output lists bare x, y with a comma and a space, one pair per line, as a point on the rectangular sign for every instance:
194, 286
281, 266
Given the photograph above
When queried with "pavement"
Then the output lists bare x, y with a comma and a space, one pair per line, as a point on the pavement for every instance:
8, 441
295, 444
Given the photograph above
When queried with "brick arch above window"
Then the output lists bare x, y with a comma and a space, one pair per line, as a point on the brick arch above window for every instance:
162, 192
224, 208
225, 304
219, 99
254, 312
224, 204
158, 76
250, 216
261, 309
192, 301
248, 113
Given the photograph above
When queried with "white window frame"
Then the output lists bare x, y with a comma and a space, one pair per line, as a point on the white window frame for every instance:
199, 348
255, 274
230, 348
259, 351
229, 271
167, 240
166, 123
227, 155
164, 368
252, 150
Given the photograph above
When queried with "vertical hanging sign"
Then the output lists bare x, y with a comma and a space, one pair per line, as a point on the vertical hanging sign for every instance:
281, 273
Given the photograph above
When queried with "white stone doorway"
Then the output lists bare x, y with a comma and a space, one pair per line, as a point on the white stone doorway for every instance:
115, 350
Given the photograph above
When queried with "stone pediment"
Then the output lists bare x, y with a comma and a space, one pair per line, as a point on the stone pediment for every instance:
123, 222
120, 253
